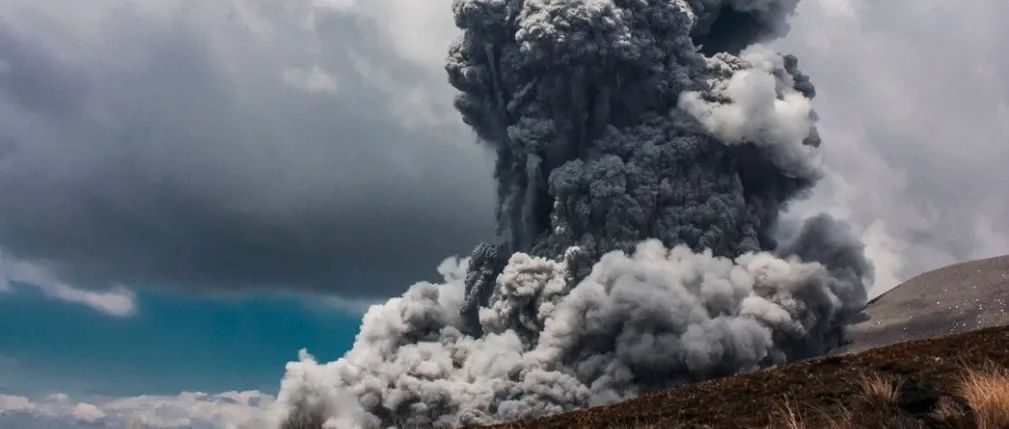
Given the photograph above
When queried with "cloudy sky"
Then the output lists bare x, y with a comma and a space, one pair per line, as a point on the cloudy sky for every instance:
193, 190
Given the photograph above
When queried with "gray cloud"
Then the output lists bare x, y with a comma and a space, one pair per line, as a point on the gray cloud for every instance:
914, 119
915, 124
228, 145
191, 410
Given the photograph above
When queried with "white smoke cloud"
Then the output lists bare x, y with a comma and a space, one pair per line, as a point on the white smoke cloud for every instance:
638, 182
636, 321
759, 105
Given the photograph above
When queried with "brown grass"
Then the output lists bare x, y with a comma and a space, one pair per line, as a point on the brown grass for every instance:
918, 384
986, 390
981, 401
880, 391
877, 405
977, 396
791, 419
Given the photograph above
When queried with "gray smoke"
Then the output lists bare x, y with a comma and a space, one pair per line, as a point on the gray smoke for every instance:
580, 97
645, 150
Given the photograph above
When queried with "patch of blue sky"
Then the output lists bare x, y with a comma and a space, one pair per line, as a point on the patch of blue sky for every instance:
173, 343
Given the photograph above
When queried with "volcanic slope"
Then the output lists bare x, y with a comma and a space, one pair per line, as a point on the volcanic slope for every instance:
821, 391
923, 332
949, 300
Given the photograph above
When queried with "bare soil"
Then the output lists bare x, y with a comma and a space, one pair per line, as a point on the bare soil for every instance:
950, 300
930, 370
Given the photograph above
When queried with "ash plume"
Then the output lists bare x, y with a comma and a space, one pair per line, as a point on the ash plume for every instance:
645, 150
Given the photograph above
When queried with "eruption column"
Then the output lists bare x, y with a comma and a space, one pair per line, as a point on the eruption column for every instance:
645, 149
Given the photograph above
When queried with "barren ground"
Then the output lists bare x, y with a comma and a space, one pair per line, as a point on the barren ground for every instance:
930, 370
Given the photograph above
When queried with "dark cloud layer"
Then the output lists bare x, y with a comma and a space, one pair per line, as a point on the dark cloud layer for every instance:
229, 145
110, 108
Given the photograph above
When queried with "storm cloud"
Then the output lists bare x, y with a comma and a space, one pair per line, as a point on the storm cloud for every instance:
221, 146
83, 154
917, 122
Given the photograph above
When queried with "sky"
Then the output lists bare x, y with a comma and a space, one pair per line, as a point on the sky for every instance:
193, 191
173, 343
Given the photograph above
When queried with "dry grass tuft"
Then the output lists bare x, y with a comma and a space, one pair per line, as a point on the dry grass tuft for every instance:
986, 390
877, 405
879, 391
968, 396
793, 420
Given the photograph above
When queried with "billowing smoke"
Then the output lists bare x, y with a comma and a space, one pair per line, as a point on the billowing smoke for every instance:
645, 150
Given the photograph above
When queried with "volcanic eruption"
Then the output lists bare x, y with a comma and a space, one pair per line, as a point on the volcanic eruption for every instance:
645, 149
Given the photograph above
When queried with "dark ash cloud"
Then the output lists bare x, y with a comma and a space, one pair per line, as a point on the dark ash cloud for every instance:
639, 185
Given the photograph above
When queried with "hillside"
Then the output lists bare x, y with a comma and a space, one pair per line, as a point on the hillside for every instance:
955, 318
821, 389
956, 298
